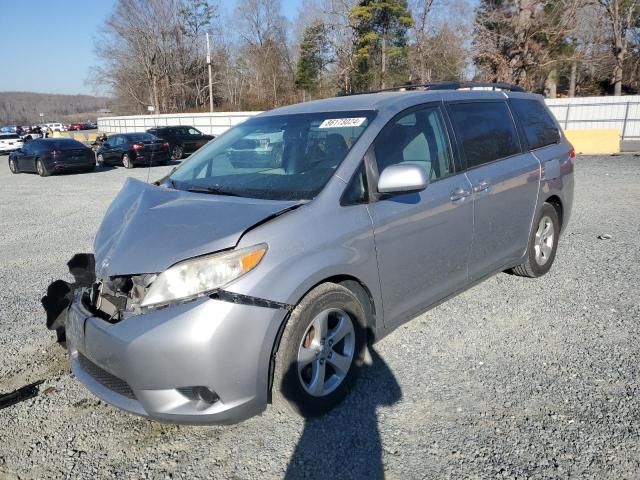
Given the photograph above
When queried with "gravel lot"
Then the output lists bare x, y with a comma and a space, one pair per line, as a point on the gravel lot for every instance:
515, 378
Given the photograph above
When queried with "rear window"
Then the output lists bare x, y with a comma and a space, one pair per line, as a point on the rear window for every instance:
62, 144
140, 137
9, 137
539, 128
485, 130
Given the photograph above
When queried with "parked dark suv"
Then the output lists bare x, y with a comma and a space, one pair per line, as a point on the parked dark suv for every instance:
133, 149
183, 140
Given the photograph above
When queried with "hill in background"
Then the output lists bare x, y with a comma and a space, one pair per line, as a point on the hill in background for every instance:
24, 108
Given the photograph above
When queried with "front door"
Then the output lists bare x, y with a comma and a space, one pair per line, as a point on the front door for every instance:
505, 181
422, 239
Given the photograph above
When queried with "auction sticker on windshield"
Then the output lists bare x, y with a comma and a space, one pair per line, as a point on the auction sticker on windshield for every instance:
342, 122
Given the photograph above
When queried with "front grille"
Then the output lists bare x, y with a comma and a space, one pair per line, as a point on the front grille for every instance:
104, 378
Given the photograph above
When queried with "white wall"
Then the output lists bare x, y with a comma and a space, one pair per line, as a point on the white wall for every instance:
573, 113
211, 123
584, 113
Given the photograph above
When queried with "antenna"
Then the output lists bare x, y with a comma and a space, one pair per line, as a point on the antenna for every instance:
209, 68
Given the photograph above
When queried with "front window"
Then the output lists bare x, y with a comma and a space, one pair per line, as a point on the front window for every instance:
286, 157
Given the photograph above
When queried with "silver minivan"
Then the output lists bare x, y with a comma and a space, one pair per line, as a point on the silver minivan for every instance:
240, 280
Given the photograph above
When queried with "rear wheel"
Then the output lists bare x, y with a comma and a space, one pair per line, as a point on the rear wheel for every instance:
13, 166
176, 152
126, 161
543, 244
321, 351
41, 168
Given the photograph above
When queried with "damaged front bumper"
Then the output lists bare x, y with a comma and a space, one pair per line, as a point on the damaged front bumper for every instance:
159, 363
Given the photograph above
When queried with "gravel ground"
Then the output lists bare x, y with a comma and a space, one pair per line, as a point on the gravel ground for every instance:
514, 378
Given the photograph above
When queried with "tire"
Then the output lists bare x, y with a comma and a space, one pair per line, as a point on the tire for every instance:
298, 385
100, 160
41, 168
61, 335
177, 152
126, 161
13, 166
543, 244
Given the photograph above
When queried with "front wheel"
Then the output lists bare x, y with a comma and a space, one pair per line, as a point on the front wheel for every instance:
126, 161
100, 160
543, 244
13, 166
321, 351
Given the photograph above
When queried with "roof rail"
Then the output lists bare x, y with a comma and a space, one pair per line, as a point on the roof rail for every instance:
453, 85
459, 85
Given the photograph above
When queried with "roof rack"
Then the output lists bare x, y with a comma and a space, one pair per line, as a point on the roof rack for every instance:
455, 85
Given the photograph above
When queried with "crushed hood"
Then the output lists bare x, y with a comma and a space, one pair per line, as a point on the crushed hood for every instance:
148, 228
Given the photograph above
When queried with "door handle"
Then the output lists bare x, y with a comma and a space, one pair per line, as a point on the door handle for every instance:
459, 194
481, 187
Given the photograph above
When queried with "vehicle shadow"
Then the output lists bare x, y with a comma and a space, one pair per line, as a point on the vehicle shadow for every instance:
345, 443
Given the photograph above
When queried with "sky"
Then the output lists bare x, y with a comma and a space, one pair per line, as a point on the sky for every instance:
48, 45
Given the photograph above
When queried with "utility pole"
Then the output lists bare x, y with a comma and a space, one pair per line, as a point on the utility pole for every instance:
209, 67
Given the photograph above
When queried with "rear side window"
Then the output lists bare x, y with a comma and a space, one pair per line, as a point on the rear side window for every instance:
485, 131
539, 128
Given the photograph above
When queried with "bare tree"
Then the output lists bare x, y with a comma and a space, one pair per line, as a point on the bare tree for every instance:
622, 15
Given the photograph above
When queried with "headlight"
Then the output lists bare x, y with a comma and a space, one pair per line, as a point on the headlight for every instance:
199, 276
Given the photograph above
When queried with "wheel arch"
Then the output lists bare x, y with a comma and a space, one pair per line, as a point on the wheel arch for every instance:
350, 282
556, 203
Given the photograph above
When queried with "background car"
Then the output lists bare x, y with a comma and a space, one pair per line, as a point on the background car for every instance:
55, 127
46, 156
133, 149
76, 126
9, 142
183, 140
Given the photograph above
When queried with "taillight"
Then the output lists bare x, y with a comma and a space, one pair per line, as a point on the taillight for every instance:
138, 146
164, 144
572, 153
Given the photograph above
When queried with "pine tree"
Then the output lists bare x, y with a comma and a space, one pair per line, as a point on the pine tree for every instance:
381, 42
313, 57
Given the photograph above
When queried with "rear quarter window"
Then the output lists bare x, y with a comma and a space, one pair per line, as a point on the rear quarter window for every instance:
539, 128
485, 131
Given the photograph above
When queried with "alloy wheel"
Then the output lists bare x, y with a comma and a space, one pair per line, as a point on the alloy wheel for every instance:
13, 166
326, 352
176, 152
545, 236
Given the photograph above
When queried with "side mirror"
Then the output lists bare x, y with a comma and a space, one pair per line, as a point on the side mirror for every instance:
403, 178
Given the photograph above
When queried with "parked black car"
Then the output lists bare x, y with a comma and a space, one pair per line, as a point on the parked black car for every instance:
47, 156
182, 139
132, 149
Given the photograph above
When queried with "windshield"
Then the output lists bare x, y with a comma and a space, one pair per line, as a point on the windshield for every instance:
286, 157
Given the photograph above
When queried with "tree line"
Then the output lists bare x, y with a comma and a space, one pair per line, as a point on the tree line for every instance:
24, 108
153, 52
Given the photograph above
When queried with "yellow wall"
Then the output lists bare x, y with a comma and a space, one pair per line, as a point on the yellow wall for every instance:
595, 141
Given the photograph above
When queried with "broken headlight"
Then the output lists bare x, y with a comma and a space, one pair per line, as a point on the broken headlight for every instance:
202, 275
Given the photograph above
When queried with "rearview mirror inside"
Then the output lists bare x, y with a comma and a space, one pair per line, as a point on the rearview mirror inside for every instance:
403, 178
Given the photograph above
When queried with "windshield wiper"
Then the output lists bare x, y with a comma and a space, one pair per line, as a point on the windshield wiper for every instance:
212, 191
